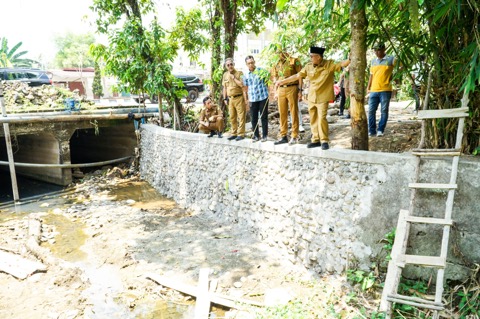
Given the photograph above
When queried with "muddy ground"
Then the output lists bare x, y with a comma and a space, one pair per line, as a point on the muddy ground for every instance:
105, 234
401, 135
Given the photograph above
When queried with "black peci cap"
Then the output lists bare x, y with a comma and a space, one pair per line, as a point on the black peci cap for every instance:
317, 50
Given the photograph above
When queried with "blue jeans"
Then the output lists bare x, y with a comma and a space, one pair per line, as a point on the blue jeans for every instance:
376, 98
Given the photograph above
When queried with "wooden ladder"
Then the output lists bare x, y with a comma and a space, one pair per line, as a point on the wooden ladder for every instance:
400, 259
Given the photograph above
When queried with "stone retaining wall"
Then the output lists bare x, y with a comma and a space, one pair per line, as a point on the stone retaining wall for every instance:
325, 209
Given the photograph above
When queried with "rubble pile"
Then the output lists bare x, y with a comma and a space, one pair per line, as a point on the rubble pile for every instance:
18, 96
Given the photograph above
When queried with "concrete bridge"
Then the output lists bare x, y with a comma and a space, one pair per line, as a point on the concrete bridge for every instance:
46, 145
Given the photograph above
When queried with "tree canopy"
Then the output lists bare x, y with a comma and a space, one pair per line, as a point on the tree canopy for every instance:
444, 33
73, 50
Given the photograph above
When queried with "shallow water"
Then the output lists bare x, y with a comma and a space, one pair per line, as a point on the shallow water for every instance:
144, 195
106, 297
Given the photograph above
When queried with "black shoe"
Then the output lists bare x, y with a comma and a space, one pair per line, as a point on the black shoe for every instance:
219, 134
283, 140
212, 133
255, 139
325, 146
239, 138
314, 144
232, 137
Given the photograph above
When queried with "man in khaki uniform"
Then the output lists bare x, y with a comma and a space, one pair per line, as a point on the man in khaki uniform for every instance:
287, 96
320, 73
211, 118
233, 93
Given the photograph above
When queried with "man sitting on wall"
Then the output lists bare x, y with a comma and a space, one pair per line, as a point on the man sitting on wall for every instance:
211, 118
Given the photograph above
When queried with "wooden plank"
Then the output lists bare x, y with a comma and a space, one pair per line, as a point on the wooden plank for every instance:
437, 153
416, 304
393, 271
18, 266
215, 298
202, 305
432, 261
432, 186
445, 113
416, 299
429, 220
433, 150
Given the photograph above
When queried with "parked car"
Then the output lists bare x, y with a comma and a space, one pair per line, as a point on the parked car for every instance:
33, 77
192, 84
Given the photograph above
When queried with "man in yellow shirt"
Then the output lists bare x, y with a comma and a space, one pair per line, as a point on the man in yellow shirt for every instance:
380, 89
211, 118
320, 73
233, 93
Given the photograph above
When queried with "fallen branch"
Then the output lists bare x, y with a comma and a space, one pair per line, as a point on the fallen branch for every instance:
215, 298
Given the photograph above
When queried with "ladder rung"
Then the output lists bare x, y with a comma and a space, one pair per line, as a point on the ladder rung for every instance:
436, 152
429, 220
432, 261
432, 186
445, 113
417, 302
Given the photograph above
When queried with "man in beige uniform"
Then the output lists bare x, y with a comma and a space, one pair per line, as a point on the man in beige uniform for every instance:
287, 96
233, 93
320, 73
211, 118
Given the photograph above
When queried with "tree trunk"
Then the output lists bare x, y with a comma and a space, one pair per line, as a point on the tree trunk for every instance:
160, 111
216, 60
359, 123
229, 9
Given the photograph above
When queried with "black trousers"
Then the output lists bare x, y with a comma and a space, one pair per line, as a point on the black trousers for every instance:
343, 99
256, 108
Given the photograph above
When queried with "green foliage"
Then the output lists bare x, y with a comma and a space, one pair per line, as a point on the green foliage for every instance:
469, 304
189, 31
293, 310
141, 58
388, 241
97, 87
366, 280
445, 32
11, 57
73, 50
264, 75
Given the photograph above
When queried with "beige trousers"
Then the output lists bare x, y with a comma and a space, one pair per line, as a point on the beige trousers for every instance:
237, 110
288, 100
318, 121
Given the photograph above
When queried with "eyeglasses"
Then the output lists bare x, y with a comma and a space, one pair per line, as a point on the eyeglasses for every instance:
229, 64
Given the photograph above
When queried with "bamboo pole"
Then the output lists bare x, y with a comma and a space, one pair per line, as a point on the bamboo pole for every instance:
67, 118
11, 161
114, 161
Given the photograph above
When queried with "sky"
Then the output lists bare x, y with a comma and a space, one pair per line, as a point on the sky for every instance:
36, 22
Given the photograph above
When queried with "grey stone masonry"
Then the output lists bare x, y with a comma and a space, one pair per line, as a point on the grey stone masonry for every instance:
328, 210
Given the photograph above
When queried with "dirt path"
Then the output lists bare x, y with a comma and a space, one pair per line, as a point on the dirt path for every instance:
402, 132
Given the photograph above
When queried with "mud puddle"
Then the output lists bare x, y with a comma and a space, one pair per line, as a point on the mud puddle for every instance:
144, 195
